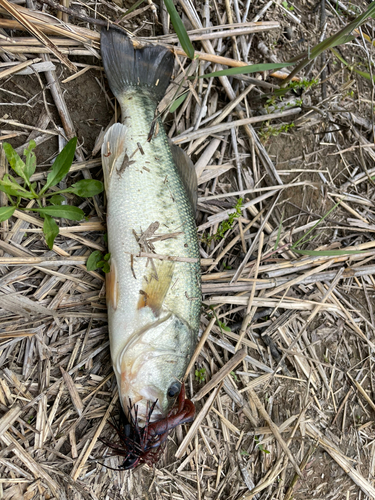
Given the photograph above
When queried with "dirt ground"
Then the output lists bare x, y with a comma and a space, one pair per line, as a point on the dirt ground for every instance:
321, 398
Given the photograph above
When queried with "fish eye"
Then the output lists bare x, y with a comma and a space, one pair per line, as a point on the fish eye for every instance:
174, 389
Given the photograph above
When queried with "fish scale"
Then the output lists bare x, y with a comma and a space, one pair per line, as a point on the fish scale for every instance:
137, 198
153, 304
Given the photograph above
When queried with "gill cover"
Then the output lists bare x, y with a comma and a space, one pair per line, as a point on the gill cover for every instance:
152, 366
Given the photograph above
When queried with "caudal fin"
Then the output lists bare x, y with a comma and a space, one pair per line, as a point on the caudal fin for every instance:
127, 66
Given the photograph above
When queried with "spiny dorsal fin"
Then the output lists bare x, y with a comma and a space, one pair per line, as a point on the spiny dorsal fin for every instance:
155, 286
187, 172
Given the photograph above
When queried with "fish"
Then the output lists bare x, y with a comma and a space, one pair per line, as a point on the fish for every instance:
153, 287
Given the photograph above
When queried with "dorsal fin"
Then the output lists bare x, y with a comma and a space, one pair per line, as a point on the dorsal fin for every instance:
187, 172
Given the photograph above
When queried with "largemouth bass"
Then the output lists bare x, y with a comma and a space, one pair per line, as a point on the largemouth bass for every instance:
153, 287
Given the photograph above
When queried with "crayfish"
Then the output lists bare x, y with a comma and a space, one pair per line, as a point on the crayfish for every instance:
145, 444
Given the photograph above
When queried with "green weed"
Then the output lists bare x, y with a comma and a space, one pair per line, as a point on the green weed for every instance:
287, 6
278, 94
49, 202
226, 224
179, 28
97, 260
268, 131
200, 375
260, 446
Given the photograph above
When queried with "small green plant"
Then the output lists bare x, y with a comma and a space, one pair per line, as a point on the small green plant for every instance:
260, 446
287, 6
49, 202
278, 94
223, 326
268, 131
244, 453
227, 224
97, 260
200, 375
234, 376
302, 84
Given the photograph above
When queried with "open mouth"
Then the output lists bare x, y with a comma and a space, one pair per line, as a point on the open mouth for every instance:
143, 411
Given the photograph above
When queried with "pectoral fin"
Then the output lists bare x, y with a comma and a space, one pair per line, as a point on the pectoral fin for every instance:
113, 150
112, 286
155, 286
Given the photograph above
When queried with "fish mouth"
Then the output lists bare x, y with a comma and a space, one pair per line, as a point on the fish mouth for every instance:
143, 411
141, 404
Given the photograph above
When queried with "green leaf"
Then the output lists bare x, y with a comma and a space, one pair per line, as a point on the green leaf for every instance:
14, 160
300, 241
179, 29
86, 188
50, 230
6, 212
178, 102
24, 170
133, 7
106, 267
343, 39
339, 57
340, 37
14, 189
57, 199
244, 70
61, 165
30, 165
223, 326
92, 261
66, 211
363, 74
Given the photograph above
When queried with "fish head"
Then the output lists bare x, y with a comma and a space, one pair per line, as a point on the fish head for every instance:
150, 369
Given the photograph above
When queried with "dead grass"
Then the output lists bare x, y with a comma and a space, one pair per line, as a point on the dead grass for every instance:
286, 409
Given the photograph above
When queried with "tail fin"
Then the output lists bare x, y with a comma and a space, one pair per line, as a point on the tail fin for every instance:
126, 66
